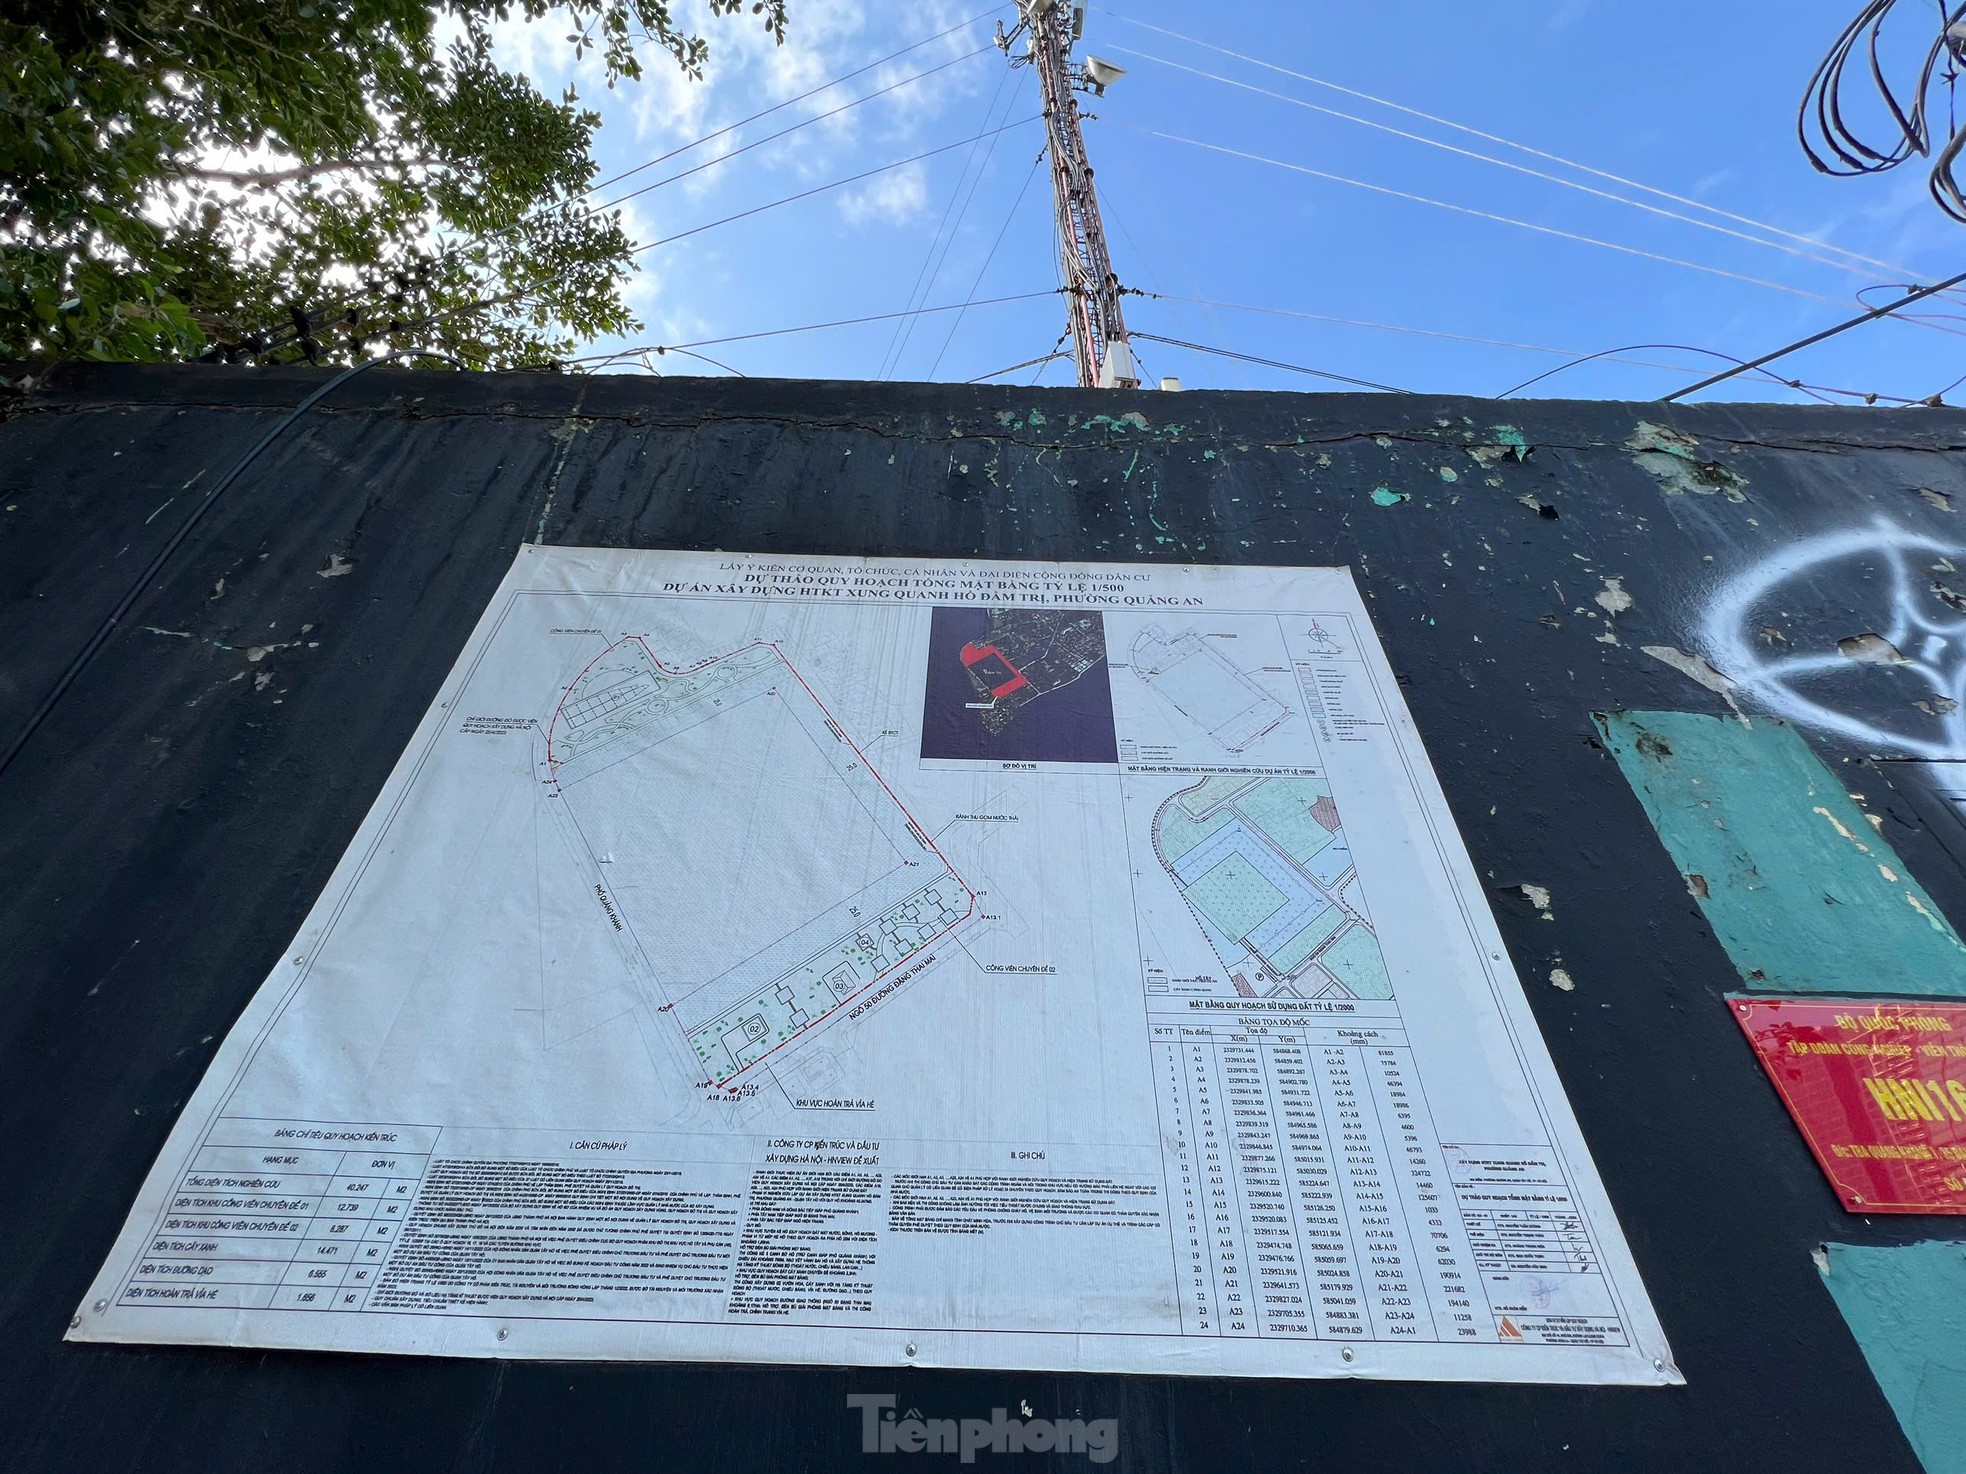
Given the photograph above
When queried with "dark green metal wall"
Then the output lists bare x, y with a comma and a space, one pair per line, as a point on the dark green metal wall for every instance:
1528, 564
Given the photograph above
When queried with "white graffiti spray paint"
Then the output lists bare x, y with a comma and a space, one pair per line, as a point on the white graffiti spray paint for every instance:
1806, 685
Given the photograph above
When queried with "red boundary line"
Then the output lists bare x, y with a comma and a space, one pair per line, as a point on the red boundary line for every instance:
971, 654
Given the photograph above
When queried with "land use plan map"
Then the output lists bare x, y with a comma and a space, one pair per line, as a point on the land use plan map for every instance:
1009, 965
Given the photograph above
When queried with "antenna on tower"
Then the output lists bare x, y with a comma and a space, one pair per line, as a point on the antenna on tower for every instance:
1093, 290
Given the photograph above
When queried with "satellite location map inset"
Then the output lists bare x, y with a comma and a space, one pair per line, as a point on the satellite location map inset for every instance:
1018, 685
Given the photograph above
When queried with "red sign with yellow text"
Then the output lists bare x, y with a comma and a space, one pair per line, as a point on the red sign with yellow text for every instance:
1878, 1087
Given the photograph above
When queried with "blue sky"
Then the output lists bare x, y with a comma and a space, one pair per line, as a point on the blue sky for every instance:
1695, 99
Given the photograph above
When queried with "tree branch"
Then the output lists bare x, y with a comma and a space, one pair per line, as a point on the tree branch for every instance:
273, 178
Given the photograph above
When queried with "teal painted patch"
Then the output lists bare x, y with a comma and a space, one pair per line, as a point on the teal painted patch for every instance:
1907, 1308
1385, 496
1512, 439
1803, 893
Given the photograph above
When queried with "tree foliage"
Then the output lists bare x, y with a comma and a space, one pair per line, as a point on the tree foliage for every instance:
319, 179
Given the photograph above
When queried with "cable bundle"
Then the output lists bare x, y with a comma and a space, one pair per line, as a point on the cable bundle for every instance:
1834, 146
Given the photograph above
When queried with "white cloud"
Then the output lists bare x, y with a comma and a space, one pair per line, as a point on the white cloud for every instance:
894, 198
690, 290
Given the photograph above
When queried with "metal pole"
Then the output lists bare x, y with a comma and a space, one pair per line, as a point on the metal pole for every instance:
1856, 322
1099, 339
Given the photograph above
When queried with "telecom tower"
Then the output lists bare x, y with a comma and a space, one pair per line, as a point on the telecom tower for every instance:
1099, 341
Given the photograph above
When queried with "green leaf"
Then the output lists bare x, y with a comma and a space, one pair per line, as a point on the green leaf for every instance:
115, 253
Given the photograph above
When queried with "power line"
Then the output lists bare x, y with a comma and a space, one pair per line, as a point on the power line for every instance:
948, 240
1585, 358
1914, 135
1554, 158
977, 282
1468, 153
1123, 163
518, 294
782, 132
922, 286
1933, 318
450, 252
1027, 363
1387, 327
780, 106
806, 194
1500, 219
1871, 316
643, 357
811, 327
1613, 355
1295, 368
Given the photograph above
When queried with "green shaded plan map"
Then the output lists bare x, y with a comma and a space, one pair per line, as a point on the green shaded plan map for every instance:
1264, 866
866, 961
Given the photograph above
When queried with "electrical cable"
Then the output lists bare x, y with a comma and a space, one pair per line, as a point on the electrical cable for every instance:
1611, 354
782, 132
156, 565
448, 253
1027, 363
780, 106
1295, 368
520, 293
1939, 398
919, 291
1871, 316
1833, 146
1549, 230
1057, 352
1603, 194
806, 194
811, 327
1930, 317
1585, 358
1058, 275
944, 239
1497, 138
703, 357
1122, 164
977, 281
1387, 327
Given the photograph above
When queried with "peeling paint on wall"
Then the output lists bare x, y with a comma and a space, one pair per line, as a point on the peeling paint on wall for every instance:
1505, 442
1674, 460
1805, 896
1695, 669
1612, 598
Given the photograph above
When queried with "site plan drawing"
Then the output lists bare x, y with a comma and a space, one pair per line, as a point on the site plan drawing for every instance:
1264, 867
1206, 687
876, 961
743, 981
